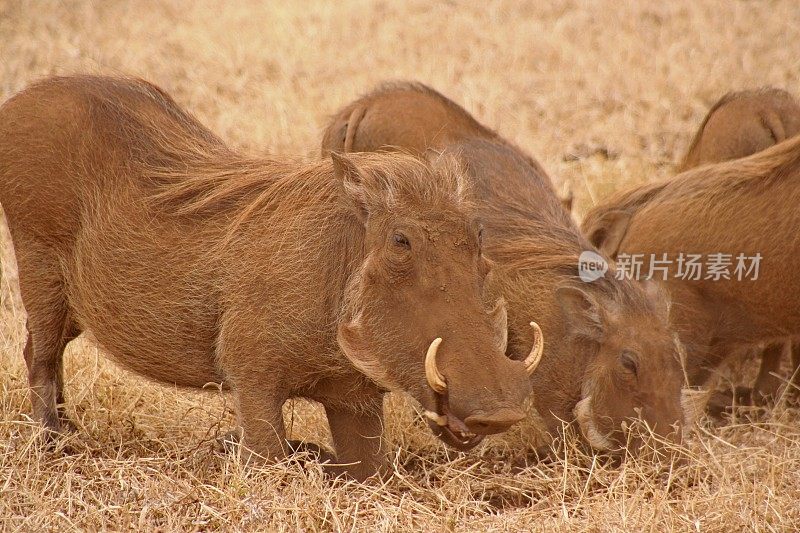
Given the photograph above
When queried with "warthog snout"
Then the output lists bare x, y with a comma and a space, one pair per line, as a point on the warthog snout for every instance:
475, 398
494, 422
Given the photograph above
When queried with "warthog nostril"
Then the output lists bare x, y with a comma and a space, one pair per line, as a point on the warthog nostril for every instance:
494, 422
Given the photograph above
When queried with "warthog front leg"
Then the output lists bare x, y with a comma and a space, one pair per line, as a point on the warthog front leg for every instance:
229, 441
765, 388
261, 433
358, 438
767, 384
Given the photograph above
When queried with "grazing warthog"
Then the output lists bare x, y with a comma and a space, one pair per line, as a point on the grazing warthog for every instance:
741, 124
423, 120
746, 206
738, 125
609, 354
191, 264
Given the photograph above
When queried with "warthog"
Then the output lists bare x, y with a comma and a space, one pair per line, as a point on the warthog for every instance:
609, 353
424, 120
739, 124
746, 206
191, 264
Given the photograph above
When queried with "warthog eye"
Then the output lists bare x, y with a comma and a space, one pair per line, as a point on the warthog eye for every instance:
401, 240
628, 360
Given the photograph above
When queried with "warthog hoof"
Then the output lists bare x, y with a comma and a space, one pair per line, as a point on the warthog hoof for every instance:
317, 453
229, 442
66, 425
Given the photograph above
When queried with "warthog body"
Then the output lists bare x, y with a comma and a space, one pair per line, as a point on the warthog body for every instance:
608, 351
746, 206
422, 120
738, 125
190, 264
741, 124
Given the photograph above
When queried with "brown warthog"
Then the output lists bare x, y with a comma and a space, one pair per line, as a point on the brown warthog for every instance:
422, 119
609, 353
741, 124
191, 263
745, 210
738, 125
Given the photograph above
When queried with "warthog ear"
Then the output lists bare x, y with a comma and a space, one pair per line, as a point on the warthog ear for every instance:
351, 342
352, 180
581, 311
607, 232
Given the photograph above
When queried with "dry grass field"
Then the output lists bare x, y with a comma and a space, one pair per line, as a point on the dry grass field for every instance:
606, 93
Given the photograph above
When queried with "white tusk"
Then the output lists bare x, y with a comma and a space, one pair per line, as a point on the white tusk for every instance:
532, 361
439, 420
435, 379
583, 412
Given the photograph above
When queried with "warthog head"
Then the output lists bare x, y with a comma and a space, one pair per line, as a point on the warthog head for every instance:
636, 374
415, 313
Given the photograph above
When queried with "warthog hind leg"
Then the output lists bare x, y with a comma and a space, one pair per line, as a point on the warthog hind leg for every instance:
765, 388
794, 376
49, 331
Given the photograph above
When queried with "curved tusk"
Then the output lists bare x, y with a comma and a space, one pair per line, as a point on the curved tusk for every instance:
583, 412
435, 379
533, 359
439, 420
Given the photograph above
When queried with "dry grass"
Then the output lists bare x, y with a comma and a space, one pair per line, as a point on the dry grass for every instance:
605, 93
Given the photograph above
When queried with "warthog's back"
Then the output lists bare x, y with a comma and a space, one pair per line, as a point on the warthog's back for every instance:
75, 155
748, 206
743, 123
64, 140
421, 119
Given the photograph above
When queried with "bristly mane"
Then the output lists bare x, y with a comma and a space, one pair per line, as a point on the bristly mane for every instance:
245, 186
187, 170
534, 247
